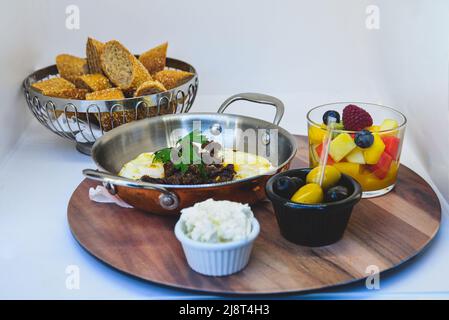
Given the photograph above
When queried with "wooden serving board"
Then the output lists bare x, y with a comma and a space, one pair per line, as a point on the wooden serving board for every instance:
384, 232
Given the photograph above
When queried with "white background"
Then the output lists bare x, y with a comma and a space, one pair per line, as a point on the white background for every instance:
304, 52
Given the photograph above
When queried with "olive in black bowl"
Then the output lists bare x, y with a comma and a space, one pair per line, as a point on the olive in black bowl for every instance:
314, 225
287, 186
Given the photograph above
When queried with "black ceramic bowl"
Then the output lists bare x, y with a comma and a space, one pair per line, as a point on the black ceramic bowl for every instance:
313, 225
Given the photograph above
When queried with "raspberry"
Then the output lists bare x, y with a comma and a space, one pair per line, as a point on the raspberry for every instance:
356, 118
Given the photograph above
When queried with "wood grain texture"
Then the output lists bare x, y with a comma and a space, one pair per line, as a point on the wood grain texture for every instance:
384, 231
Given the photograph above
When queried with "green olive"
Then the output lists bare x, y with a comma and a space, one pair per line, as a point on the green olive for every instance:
331, 176
310, 193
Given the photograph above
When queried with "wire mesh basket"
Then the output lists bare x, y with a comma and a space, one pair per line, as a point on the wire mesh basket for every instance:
84, 121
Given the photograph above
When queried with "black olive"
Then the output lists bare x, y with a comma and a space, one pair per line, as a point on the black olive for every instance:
336, 193
298, 182
284, 187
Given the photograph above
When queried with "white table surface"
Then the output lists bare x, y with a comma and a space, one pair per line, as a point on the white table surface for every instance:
37, 179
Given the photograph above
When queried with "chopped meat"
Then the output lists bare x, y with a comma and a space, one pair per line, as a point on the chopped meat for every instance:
194, 175
169, 169
202, 173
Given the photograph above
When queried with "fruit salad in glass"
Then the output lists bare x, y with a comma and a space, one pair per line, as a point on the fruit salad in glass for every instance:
366, 142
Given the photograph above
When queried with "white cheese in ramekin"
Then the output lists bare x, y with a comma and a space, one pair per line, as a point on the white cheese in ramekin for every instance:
213, 221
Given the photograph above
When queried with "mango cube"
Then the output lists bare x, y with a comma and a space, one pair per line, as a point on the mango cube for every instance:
373, 128
342, 145
317, 134
388, 124
351, 169
371, 182
373, 153
356, 156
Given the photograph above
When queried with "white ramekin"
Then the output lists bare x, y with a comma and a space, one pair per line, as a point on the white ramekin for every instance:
217, 259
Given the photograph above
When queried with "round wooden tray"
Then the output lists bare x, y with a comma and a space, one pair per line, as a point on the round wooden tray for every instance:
384, 232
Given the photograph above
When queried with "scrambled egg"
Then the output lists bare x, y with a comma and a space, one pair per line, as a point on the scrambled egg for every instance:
245, 165
141, 166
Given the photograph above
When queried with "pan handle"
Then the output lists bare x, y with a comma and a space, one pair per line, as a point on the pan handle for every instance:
257, 98
168, 200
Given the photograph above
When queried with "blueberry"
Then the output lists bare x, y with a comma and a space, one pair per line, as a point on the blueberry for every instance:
336, 193
331, 113
298, 182
285, 187
364, 139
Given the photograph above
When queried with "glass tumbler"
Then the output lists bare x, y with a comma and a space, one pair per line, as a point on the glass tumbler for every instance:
374, 167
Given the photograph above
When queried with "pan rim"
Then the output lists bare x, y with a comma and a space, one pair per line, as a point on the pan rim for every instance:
117, 131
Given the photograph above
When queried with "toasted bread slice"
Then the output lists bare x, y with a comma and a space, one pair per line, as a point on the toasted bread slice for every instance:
107, 94
171, 78
70, 93
122, 68
93, 82
60, 88
52, 86
149, 87
71, 67
154, 59
94, 49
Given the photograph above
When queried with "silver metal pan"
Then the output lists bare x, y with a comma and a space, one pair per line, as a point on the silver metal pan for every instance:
122, 144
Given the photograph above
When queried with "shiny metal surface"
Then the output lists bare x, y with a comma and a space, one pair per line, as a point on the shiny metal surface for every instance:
47, 110
168, 200
125, 143
257, 98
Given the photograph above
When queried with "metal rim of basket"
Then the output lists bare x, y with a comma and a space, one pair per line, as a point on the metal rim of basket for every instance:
74, 119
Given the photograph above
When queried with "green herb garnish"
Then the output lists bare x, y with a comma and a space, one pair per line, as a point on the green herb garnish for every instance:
193, 136
164, 155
